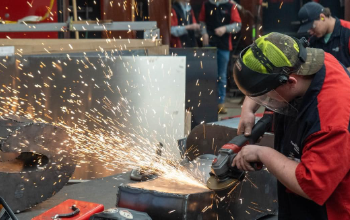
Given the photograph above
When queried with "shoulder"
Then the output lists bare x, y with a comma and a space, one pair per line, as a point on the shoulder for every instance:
333, 99
345, 24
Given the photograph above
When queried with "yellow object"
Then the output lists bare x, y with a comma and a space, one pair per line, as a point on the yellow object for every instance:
43, 18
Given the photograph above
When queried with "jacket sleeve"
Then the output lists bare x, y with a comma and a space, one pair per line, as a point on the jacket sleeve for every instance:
175, 29
235, 22
324, 163
194, 20
202, 20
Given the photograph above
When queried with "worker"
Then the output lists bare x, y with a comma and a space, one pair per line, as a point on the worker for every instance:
328, 33
183, 25
308, 89
219, 20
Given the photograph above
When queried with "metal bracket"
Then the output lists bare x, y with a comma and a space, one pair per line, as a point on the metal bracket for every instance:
149, 27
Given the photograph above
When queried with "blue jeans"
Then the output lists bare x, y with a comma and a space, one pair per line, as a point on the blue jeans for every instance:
223, 58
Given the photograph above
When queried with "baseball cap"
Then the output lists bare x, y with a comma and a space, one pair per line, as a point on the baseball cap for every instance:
256, 74
308, 14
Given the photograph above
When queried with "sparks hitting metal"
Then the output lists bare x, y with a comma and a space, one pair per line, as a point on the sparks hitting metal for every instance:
223, 175
103, 131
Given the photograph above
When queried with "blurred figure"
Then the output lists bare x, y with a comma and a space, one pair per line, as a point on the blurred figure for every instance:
328, 33
183, 25
219, 20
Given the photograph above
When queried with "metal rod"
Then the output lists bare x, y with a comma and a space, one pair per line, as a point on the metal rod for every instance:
75, 15
47, 27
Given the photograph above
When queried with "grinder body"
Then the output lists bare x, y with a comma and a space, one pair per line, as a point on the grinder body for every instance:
223, 175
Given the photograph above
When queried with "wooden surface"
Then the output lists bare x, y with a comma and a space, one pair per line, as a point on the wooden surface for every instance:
47, 46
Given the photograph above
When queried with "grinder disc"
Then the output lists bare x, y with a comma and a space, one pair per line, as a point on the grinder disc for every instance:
215, 185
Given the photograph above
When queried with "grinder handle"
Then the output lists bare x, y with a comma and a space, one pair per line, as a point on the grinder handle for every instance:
258, 130
264, 124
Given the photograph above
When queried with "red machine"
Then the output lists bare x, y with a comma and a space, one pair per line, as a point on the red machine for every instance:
71, 210
12, 11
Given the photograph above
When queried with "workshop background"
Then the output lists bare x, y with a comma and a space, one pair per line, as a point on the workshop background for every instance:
98, 111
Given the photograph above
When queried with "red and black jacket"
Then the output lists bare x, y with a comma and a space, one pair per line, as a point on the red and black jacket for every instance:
319, 139
179, 18
339, 43
216, 16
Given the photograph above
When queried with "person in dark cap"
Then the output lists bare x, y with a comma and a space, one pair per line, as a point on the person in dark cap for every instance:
308, 89
328, 33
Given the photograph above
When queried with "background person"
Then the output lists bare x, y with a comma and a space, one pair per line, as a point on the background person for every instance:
219, 20
328, 33
183, 25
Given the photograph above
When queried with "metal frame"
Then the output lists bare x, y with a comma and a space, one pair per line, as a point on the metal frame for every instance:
149, 27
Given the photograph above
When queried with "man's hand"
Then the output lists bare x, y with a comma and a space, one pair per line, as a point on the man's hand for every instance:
246, 123
348, 69
247, 119
220, 31
205, 40
194, 26
248, 154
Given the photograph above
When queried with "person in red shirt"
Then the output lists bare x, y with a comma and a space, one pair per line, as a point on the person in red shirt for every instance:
219, 20
183, 25
308, 89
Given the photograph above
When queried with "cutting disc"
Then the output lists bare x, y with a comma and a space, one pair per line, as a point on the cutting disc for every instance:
214, 184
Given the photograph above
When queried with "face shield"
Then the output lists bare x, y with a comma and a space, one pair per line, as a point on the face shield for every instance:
275, 102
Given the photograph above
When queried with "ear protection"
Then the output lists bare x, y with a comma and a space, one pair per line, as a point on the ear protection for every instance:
322, 18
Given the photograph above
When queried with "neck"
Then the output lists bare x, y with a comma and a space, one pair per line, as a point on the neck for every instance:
331, 24
304, 84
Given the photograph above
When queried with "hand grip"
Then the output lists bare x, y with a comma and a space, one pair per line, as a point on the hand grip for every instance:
257, 165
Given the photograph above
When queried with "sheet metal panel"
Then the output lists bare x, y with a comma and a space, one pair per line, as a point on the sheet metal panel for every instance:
143, 96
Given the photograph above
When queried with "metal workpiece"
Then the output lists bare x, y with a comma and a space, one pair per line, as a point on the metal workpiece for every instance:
114, 26
252, 198
35, 161
30, 27
165, 199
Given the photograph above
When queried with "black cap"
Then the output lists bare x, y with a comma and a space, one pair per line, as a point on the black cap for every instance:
308, 14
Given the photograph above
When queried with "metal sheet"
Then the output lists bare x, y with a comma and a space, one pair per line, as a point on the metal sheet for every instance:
42, 165
201, 86
116, 26
48, 27
144, 96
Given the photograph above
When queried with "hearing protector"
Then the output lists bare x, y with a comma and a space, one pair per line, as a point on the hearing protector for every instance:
322, 18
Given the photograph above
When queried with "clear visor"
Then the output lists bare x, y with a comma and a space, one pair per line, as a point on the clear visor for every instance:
275, 102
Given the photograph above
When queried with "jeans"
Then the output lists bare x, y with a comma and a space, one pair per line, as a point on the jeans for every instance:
223, 58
